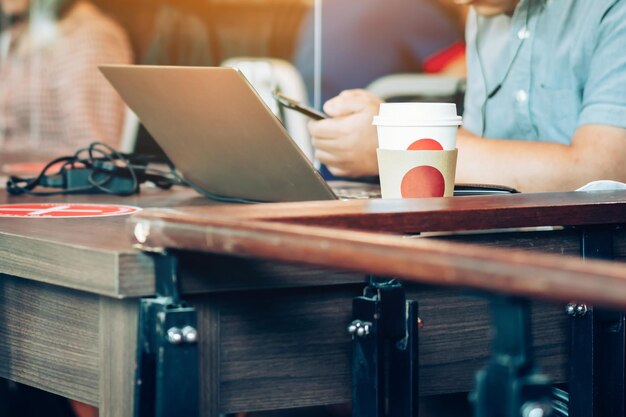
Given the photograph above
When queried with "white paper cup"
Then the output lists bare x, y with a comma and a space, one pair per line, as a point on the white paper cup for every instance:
416, 174
417, 126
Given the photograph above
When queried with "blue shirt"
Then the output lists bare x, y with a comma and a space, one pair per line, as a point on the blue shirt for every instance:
553, 66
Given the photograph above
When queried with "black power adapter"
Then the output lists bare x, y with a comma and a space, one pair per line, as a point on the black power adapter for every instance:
98, 169
99, 182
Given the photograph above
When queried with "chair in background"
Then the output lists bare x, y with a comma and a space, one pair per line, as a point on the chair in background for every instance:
128, 139
419, 87
163, 32
269, 74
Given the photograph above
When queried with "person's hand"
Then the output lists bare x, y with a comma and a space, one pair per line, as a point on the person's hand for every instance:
346, 142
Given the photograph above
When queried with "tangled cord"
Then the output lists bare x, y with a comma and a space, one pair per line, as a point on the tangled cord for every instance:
97, 168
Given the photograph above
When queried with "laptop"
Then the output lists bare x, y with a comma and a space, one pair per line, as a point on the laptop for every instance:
224, 140
220, 135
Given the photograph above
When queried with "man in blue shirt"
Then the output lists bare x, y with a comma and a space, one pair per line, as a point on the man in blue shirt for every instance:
546, 101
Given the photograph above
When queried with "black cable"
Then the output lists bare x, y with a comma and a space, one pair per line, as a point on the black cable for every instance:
96, 168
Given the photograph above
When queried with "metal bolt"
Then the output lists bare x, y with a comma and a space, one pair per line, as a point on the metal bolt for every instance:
534, 409
175, 336
359, 328
190, 334
576, 310
420, 323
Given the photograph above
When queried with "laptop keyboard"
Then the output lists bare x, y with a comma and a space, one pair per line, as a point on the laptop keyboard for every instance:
346, 190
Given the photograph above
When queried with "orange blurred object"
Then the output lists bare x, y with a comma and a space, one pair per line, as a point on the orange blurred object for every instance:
83, 410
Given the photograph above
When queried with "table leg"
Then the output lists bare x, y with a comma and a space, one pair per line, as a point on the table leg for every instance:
385, 352
167, 380
598, 350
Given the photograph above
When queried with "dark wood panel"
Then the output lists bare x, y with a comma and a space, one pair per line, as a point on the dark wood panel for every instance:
558, 242
285, 348
290, 348
134, 276
201, 272
619, 247
210, 356
72, 267
49, 338
118, 342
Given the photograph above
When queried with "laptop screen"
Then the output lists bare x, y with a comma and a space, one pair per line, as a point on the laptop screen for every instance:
218, 132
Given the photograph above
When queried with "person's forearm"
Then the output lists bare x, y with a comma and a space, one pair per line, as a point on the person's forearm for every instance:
538, 166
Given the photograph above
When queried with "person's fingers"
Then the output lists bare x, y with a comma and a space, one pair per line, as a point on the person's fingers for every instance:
325, 157
330, 159
327, 145
350, 101
340, 172
324, 129
347, 163
334, 128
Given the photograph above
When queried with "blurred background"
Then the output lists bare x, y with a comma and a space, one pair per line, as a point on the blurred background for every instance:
53, 100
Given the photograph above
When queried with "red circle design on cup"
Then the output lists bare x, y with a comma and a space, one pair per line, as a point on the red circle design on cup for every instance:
425, 144
423, 181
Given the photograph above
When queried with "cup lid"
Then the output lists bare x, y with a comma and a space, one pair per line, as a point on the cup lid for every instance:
379, 121
417, 114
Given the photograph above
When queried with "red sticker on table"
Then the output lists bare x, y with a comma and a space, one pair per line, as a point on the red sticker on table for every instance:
423, 181
64, 211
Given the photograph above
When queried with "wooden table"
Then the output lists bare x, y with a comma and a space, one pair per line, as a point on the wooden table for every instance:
69, 303
454, 341
66, 324
339, 235
273, 334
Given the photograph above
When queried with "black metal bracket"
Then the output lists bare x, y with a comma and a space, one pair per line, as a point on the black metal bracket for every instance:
167, 376
384, 352
598, 348
510, 385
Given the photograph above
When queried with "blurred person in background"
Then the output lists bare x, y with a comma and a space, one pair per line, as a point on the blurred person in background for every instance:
53, 99
363, 40
545, 107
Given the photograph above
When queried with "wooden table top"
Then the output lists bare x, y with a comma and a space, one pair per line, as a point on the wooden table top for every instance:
61, 251
427, 214
261, 231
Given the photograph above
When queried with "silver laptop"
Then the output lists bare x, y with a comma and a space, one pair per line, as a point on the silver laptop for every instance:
219, 133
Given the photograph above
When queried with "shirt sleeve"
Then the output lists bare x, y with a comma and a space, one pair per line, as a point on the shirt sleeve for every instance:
92, 110
604, 96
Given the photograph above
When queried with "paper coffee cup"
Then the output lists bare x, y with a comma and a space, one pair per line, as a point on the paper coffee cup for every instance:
415, 174
417, 126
